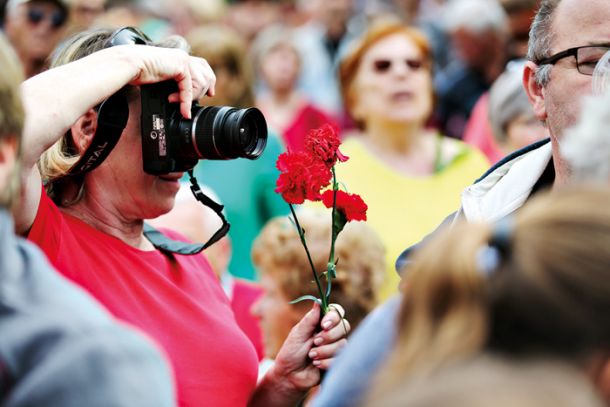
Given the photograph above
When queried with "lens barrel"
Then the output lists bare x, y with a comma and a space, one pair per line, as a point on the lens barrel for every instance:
225, 133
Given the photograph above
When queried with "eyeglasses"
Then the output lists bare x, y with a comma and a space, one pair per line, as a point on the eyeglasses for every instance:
586, 56
384, 65
36, 15
127, 36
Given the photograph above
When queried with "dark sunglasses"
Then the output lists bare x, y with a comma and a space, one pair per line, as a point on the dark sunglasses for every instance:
384, 65
36, 15
127, 36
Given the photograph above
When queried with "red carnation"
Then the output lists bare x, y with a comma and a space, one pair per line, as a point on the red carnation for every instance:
323, 144
301, 177
351, 205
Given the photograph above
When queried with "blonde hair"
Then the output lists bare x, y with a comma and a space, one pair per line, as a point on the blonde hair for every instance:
549, 294
494, 381
278, 253
12, 115
56, 161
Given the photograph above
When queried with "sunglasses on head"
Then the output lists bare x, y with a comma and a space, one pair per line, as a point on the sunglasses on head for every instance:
36, 15
384, 65
128, 36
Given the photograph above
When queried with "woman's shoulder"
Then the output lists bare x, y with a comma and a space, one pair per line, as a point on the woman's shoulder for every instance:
452, 151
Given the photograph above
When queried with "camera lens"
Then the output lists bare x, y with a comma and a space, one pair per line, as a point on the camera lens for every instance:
224, 133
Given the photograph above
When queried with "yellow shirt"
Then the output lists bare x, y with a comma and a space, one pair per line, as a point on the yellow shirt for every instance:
403, 209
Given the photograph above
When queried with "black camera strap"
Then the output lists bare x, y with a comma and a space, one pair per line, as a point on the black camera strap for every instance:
162, 242
111, 121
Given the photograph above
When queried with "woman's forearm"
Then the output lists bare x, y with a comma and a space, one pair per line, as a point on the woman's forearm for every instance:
56, 98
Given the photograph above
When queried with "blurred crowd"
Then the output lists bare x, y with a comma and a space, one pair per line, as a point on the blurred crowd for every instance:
426, 95
285, 57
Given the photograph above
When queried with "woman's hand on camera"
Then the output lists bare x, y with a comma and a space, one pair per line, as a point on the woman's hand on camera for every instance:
193, 75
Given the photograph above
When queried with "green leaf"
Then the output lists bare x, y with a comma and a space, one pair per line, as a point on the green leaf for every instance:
339, 222
306, 298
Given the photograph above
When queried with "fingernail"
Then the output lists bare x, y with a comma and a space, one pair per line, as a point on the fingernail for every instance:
316, 362
326, 324
313, 354
318, 340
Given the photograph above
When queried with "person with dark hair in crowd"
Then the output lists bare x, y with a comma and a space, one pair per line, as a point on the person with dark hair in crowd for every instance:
520, 14
480, 45
91, 223
34, 28
59, 347
567, 39
478, 131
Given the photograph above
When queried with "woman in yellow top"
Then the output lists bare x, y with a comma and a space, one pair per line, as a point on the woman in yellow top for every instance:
409, 175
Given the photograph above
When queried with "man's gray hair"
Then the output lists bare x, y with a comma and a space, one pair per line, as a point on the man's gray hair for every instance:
541, 38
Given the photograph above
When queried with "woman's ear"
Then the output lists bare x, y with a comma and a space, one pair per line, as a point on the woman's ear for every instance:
83, 130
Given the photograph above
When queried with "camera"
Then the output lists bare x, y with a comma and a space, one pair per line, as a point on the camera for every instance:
171, 143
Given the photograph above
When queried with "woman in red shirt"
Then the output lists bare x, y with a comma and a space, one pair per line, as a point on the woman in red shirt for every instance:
91, 224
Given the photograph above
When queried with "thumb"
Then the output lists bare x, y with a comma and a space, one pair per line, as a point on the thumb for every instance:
307, 326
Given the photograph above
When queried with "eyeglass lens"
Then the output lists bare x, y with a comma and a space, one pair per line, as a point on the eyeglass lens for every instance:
384, 65
588, 57
37, 15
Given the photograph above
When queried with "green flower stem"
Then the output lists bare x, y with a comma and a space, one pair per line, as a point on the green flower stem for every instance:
331, 256
313, 269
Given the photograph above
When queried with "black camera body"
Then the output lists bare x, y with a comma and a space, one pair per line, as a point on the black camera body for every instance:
171, 143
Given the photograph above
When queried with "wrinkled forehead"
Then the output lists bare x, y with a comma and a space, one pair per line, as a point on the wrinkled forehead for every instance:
580, 22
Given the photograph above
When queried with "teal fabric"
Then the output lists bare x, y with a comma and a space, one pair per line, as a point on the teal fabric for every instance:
246, 189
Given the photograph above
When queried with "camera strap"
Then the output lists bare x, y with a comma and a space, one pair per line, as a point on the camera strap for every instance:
111, 121
162, 242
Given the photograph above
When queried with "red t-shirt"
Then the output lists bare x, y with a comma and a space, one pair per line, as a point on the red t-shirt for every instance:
244, 295
175, 299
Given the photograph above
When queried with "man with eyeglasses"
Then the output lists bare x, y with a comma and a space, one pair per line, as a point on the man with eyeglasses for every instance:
567, 39
34, 28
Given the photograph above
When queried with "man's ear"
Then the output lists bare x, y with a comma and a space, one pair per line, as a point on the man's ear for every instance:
83, 130
534, 90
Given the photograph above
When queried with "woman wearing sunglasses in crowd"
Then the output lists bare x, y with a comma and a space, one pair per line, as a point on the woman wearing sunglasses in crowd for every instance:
408, 174
90, 225
34, 28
